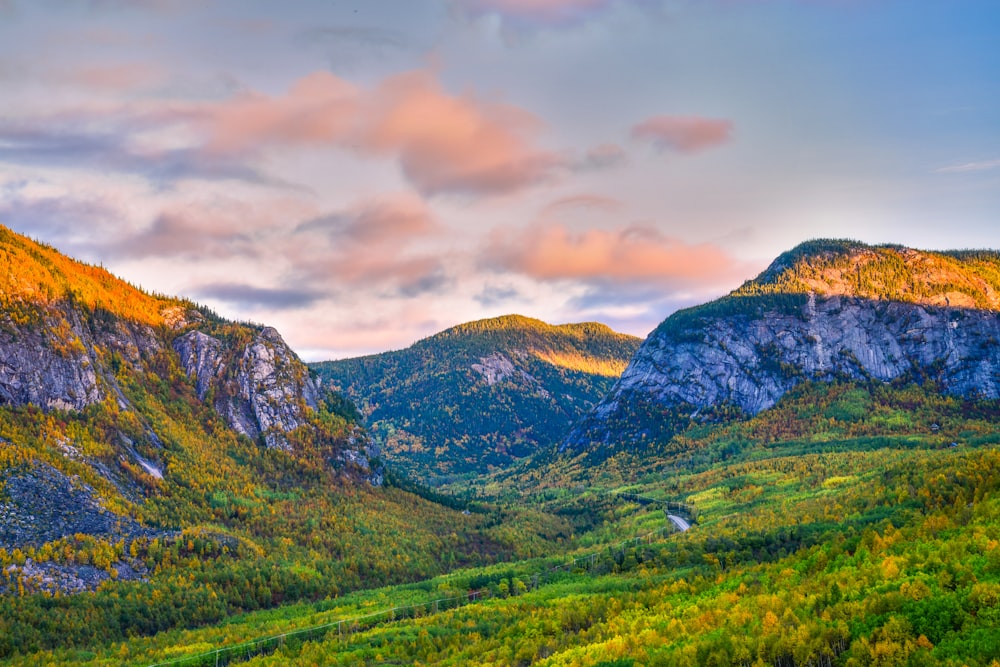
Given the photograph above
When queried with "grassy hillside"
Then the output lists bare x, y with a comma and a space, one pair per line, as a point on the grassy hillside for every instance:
481, 395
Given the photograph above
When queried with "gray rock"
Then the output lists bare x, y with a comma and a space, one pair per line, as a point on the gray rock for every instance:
262, 391
201, 358
43, 505
751, 361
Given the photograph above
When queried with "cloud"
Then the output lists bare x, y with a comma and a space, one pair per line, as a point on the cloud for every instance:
214, 228
114, 77
444, 144
379, 245
544, 12
635, 253
387, 221
53, 216
75, 140
347, 45
181, 234
249, 296
77, 224
684, 134
449, 144
494, 295
969, 166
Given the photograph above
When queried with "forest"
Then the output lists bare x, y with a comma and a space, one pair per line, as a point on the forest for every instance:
839, 528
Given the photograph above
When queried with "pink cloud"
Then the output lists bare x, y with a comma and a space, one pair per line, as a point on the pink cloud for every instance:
376, 244
685, 134
318, 109
444, 143
634, 253
451, 143
589, 203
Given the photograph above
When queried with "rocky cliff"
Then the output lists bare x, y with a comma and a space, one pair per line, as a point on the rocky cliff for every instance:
826, 310
64, 336
262, 390
111, 389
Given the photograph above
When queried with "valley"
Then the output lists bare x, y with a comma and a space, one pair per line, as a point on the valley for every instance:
178, 489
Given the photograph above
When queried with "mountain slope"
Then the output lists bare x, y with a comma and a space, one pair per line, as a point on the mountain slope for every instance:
825, 310
481, 394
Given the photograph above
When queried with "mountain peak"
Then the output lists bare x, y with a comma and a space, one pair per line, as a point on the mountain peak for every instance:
826, 310
515, 322
843, 267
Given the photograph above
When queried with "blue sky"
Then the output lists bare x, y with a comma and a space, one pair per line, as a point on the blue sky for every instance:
362, 174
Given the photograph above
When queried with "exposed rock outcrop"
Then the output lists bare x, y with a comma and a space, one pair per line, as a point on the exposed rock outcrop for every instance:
262, 390
57, 359
201, 358
44, 505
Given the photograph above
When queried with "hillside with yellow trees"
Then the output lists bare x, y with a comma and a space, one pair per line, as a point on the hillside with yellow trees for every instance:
170, 468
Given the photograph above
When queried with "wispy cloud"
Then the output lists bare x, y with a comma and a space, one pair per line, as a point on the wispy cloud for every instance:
444, 144
376, 245
588, 203
347, 45
493, 295
114, 77
78, 141
603, 156
985, 165
684, 134
548, 11
519, 15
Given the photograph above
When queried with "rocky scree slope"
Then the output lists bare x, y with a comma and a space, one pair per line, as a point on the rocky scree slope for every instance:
824, 311
75, 340
483, 394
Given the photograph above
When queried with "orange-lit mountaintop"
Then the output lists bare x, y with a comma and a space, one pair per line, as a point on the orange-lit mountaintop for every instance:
963, 278
34, 275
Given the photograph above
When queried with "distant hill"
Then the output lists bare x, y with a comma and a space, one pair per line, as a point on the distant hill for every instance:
482, 394
826, 310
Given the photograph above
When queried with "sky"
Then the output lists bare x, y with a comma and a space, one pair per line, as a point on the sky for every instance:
363, 174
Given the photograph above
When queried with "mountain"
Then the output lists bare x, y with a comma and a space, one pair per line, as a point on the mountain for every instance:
826, 310
482, 394
183, 468
70, 330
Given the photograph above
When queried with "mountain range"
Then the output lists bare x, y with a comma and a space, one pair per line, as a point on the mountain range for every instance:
172, 482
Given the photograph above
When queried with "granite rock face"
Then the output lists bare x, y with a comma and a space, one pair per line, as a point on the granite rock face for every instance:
262, 391
201, 358
52, 363
747, 350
